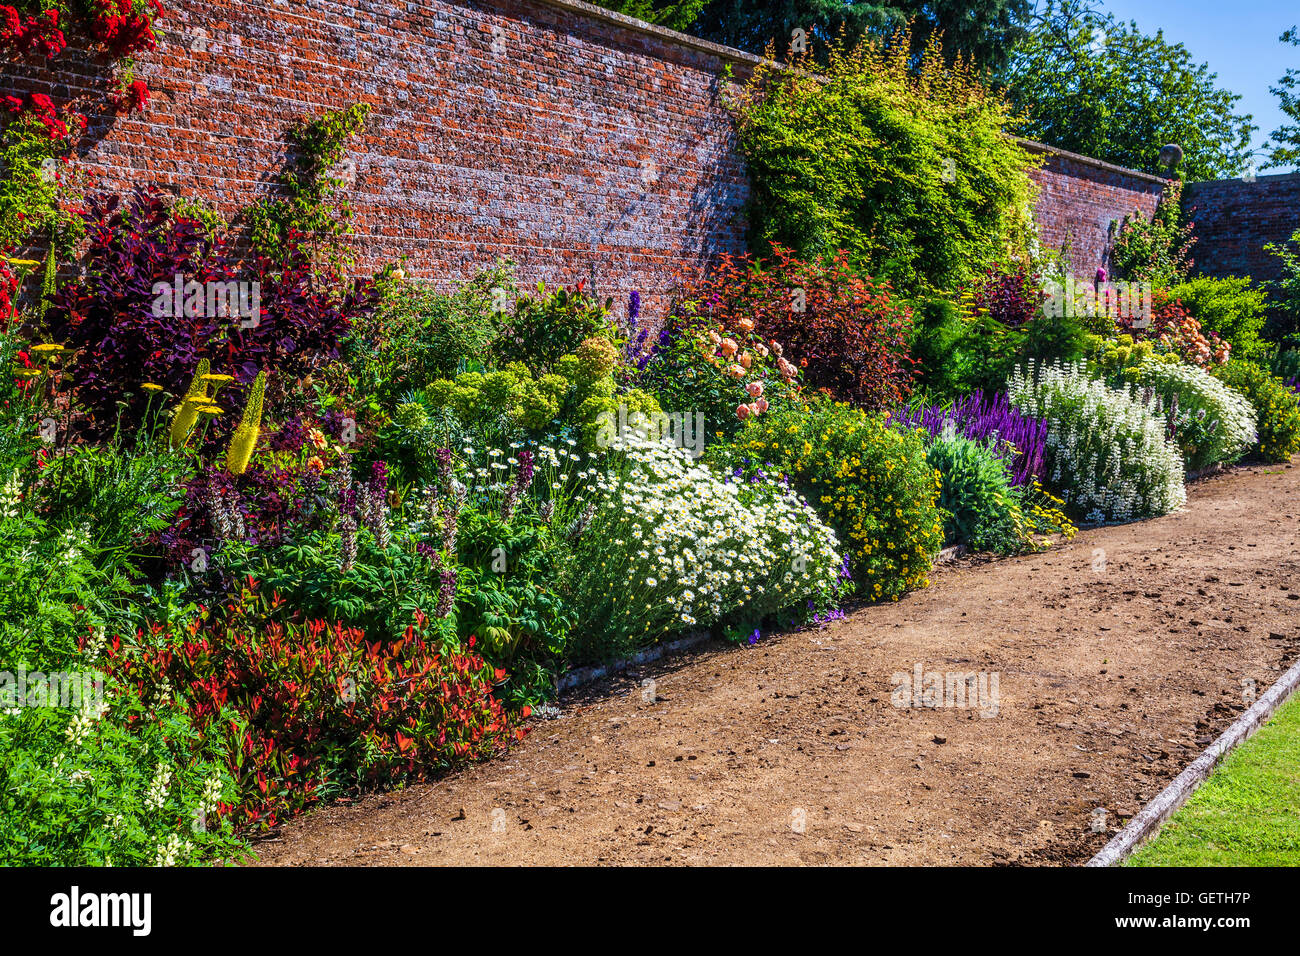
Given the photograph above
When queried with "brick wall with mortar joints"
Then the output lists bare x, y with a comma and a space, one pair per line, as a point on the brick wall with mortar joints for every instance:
518, 128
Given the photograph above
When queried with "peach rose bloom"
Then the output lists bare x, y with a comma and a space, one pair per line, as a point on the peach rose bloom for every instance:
745, 360
742, 412
746, 325
729, 347
761, 405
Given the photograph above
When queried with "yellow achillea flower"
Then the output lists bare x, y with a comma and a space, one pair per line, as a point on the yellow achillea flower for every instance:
245, 438
187, 415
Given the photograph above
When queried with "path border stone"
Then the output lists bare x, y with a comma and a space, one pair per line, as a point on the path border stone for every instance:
1160, 809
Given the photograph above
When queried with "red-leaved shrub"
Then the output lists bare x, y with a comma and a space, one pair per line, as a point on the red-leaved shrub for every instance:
845, 330
314, 709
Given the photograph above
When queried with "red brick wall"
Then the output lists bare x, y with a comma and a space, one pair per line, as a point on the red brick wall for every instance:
577, 143
578, 147
1080, 198
1234, 219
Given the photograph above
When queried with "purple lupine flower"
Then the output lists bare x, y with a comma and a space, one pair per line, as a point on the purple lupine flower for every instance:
633, 308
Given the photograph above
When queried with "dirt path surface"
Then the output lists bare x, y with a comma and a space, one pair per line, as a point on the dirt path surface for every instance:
1118, 658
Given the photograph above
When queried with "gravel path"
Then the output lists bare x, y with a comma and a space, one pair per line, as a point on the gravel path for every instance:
1117, 658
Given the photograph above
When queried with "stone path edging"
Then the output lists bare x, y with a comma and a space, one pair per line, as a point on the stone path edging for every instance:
1149, 818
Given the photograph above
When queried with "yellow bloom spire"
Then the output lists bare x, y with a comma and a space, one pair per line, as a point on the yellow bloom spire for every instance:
186, 415
245, 438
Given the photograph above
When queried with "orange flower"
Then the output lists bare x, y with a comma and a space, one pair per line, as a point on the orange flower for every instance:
315, 465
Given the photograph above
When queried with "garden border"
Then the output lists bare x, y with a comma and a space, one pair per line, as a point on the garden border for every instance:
582, 676
1170, 799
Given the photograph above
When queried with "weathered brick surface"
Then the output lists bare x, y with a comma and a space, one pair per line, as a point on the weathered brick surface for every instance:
1234, 219
578, 145
1081, 202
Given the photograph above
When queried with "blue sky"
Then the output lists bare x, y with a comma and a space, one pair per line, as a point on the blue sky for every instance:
1237, 38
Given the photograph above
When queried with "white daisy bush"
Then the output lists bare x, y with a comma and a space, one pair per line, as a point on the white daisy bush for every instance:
1211, 422
1107, 452
673, 545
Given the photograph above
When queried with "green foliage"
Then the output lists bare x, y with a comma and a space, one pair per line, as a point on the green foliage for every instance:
1155, 250
982, 31
1285, 290
580, 393
1284, 143
135, 785
1277, 408
378, 594
903, 164
507, 597
34, 187
975, 495
1088, 83
673, 14
418, 334
552, 324
314, 203
1234, 309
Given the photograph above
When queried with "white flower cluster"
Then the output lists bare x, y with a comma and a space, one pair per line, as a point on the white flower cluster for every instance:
1200, 393
173, 851
675, 545
1106, 451
157, 794
11, 496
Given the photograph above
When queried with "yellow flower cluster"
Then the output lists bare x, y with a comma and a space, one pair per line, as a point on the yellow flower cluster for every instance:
868, 479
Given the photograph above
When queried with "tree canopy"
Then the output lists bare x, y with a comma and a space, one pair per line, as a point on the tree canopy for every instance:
1088, 83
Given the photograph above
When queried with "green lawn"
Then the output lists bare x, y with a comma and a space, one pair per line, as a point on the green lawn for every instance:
1247, 813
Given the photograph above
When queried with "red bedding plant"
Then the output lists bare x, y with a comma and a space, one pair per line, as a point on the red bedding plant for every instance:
313, 709
843, 329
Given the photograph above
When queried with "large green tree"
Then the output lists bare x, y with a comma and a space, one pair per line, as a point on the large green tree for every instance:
1088, 83
678, 15
1284, 144
981, 30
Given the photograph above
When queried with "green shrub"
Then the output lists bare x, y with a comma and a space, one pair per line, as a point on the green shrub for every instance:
1106, 451
1277, 408
419, 334
1155, 250
980, 507
542, 329
1211, 422
1233, 309
869, 480
903, 164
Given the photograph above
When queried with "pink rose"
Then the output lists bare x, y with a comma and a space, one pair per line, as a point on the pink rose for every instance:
755, 389
760, 406
742, 412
